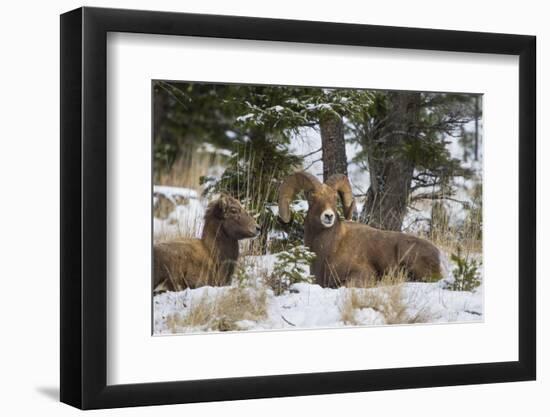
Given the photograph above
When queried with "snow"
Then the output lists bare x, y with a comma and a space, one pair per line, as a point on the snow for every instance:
309, 306
172, 192
320, 106
186, 220
245, 117
209, 148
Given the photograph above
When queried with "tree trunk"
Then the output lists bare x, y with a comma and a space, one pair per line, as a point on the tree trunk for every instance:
333, 145
390, 168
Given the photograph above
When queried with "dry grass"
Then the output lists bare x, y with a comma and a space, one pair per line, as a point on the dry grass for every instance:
187, 170
450, 239
386, 297
467, 237
222, 313
349, 307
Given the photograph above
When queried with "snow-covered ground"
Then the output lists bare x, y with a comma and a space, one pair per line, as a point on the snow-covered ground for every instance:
308, 306
185, 219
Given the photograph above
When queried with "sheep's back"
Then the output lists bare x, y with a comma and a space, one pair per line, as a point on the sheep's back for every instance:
180, 263
380, 250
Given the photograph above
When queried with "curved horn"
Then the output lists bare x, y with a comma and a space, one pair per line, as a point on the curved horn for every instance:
340, 183
292, 185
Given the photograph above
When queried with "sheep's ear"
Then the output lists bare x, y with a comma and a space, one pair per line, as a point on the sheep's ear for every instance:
221, 206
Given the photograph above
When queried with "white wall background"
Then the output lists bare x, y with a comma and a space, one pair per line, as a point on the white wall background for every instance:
29, 215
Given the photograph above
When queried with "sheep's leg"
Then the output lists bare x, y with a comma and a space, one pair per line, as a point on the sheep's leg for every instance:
330, 275
426, 269
420, 259
361, 277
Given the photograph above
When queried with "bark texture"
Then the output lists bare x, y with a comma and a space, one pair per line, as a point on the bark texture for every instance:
391, 169
333, 145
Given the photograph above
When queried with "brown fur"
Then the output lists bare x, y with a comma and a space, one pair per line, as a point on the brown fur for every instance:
355, 253
210, 260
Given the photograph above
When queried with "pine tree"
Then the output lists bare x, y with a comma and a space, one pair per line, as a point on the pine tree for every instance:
403, 137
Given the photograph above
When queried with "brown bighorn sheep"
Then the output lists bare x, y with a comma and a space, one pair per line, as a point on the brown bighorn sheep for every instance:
210, 260
350, 253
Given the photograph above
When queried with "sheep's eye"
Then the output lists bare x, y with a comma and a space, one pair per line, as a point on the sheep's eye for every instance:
234, 211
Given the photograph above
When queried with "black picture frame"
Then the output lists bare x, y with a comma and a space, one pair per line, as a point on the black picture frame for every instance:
84, 207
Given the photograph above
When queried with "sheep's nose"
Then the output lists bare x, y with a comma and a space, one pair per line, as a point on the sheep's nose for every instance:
329, 216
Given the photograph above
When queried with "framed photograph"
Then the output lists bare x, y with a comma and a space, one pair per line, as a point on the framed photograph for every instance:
261, 208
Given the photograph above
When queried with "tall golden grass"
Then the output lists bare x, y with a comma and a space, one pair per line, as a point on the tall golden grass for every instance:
188, 169
386, 297
467, 237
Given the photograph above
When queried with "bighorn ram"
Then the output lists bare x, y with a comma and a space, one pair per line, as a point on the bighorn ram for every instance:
348, 252
210, 260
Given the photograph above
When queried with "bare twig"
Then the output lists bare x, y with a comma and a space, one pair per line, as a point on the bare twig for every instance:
311, 153
312, 163
438, 196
